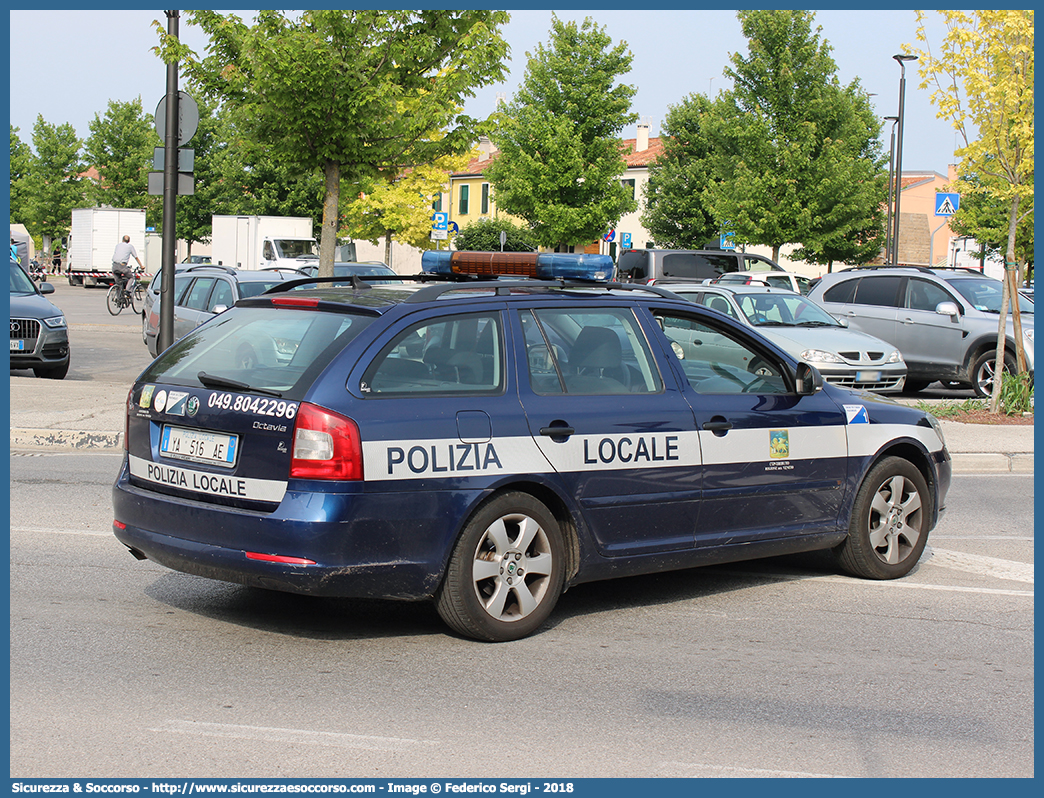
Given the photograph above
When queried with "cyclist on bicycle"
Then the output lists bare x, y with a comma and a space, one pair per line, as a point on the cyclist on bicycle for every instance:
120, 260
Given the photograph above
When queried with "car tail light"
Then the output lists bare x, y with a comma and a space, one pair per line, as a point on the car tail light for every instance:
326, 445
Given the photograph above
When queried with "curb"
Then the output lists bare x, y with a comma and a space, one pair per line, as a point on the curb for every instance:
103, 442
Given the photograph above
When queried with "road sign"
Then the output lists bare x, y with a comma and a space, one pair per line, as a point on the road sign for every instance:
727, 241
946, 204
610, 235
440, 221
186, 159
453, 228
188, 118
625, 240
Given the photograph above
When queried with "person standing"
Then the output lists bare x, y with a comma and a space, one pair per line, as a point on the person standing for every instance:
121, 258
56, 261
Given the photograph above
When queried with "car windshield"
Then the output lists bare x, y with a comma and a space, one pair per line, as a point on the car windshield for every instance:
985, 294
784, 310
20, 282
296, 248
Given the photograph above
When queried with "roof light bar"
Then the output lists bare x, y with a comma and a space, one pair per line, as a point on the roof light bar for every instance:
542, 265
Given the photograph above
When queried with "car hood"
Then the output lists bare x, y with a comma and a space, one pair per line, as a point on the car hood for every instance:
831, 339
33, 306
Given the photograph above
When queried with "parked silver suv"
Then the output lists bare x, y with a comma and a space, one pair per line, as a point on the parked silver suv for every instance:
944, 321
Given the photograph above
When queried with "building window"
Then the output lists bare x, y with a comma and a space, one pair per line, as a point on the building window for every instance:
485, 198
462, 206
437, 204
628, 184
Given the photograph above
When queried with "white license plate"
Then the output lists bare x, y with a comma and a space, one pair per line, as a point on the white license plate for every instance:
17, 345
199, 446
868, 376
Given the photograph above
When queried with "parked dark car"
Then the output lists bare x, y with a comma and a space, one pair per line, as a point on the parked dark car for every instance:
653, 266
39, 333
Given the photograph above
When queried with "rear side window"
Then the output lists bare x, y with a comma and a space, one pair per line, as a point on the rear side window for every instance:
588, 351
882, 291
445, 356
632, 265
696, 266
843, 292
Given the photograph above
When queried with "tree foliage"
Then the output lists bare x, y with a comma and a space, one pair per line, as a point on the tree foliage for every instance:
120, 146
353, 94
675, 212
483, 235
399, 208
21, 191
982, 83
55, 180
795, 156
560, 160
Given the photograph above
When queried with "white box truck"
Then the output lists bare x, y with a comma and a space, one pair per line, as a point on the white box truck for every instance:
93, 238
263, 242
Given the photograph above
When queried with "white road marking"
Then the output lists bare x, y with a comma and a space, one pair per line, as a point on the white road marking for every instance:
980, 565
724, 772
90, 532
277, 735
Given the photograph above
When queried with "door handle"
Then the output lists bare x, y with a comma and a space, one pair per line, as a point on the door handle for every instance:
557, 432
718, 425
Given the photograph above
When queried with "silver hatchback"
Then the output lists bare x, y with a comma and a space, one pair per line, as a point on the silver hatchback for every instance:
944, 321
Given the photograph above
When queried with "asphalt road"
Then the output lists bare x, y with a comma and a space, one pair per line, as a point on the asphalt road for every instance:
121, 668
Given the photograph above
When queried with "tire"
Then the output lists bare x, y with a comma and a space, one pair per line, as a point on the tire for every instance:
112, 301
56, 373
983, 372
889, 525
506, 571
137, 298
144, 328
915, 386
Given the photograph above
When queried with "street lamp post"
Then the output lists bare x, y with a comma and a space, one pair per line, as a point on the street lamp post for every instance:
891, 186
901, 58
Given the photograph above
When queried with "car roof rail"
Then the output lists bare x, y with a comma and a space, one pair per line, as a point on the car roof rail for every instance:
218, 267
873, 266
283, 269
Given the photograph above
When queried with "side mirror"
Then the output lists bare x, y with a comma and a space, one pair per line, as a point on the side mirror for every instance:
808, 380
46, 288
220, 308
947, 309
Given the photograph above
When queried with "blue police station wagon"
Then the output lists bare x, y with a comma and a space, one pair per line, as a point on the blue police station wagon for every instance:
486, 443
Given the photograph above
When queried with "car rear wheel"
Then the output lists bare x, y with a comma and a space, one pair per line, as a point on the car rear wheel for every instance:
983, 372
506, 571
889, 525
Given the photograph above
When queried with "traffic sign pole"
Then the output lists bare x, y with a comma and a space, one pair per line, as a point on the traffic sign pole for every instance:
165, 333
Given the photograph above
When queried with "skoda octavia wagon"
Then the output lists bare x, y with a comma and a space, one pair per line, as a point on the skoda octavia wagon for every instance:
486, 443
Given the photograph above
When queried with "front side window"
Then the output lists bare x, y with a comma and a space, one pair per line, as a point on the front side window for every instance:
448, 356
716, 362
923, 295
588, 351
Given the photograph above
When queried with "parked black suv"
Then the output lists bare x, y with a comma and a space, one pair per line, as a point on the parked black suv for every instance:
686, 265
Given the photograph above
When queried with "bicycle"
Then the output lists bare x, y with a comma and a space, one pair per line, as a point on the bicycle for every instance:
130, 295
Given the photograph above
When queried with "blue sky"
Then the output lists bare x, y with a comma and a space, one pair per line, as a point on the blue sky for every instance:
68, 64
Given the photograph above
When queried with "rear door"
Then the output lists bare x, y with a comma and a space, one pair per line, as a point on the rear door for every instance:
874, 307
620, 438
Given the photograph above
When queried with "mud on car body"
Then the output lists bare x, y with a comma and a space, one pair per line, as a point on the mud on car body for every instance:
487, 443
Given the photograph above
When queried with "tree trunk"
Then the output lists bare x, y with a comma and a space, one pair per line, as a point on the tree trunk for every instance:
1009, 293
331, 200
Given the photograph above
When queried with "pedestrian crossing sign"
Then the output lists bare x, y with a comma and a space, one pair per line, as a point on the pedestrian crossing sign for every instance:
946, 204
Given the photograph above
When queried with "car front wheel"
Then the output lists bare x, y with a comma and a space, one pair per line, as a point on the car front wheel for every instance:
983, 372
889, 526
506, 571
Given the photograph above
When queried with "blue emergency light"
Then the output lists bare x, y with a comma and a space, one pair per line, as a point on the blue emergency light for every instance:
541, 265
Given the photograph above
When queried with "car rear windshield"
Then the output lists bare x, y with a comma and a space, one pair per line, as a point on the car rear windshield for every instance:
266, 349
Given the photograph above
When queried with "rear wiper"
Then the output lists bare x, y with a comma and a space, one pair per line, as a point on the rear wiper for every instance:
212, 381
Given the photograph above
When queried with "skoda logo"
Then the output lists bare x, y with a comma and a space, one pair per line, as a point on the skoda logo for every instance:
193, 406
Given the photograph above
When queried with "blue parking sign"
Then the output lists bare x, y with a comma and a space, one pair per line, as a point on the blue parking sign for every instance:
625, 240
440, 220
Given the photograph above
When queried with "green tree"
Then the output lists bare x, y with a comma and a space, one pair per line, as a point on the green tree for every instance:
399, 208
675, 213
21, 167
57, 187
120, 147
983, 215
795, 156
351, 94
483, 235
560, 160
983, 84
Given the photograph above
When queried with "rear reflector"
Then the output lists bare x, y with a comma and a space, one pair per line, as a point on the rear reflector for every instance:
326, 445
253, 555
